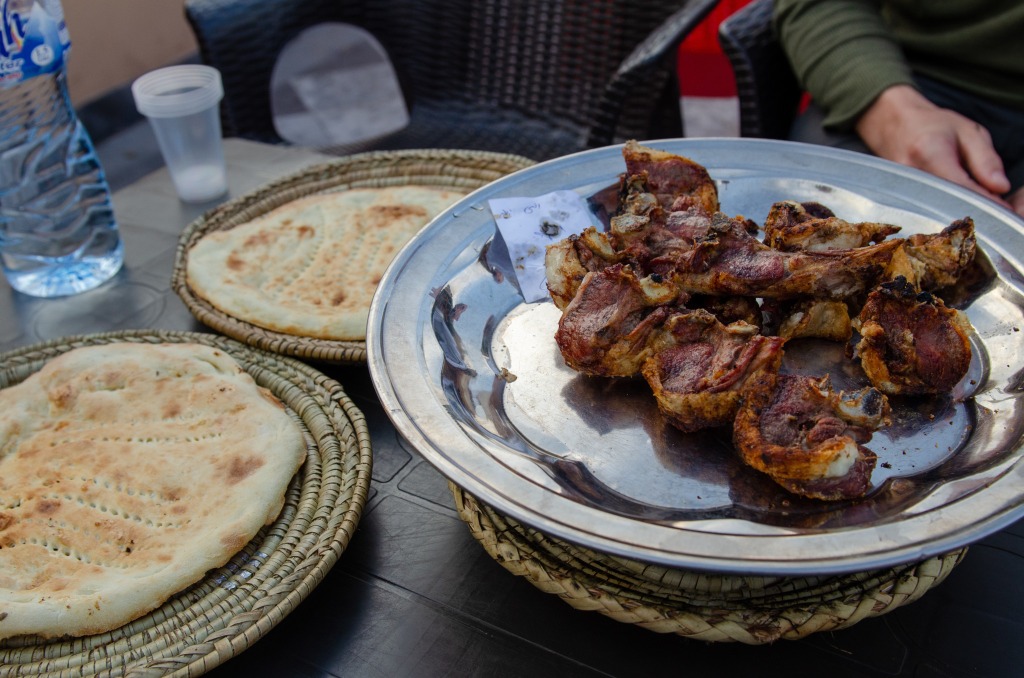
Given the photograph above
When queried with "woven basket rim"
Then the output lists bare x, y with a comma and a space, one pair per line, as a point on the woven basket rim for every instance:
233, 606
443, 168
753, 610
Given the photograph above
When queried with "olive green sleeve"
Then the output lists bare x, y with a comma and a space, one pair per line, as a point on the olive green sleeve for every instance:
842, 54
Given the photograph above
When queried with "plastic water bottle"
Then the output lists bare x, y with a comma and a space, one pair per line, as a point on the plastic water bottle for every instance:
58, 234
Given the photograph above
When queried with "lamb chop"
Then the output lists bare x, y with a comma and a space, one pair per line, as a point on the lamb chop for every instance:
727, 260
644, 228
932, 262
812, 227
613, 323
911, 343
569, 260
699, 371
675, 181
656, 183
808, 438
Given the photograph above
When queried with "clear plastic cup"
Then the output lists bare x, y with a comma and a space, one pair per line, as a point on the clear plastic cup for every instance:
182, 106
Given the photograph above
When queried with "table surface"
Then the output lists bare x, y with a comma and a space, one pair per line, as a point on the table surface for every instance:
415, 595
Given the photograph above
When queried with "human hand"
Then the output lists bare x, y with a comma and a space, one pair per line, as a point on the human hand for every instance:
902, 125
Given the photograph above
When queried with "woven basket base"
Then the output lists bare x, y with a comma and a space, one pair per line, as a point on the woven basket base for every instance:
442, 168
237, 604
720, 608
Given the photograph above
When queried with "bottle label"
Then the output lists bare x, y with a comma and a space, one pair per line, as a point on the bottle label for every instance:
33, 39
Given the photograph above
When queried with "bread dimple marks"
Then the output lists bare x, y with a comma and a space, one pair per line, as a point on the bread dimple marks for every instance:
137, 440
92, 546
99, 532
112, 509
301, 263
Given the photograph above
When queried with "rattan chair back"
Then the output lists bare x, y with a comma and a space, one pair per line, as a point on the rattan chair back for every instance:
767, 89
537, 78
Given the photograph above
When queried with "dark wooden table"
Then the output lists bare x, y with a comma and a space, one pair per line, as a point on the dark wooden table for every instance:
416, 595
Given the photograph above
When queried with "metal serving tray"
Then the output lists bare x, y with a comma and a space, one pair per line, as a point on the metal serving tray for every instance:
469, 373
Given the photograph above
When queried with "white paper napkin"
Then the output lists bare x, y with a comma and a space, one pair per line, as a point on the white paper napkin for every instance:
529, 225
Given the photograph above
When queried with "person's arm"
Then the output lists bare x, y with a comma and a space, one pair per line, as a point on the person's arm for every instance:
842, 53
844, 56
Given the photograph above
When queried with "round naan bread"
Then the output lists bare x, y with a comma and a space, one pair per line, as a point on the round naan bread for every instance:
310, 267
127, 471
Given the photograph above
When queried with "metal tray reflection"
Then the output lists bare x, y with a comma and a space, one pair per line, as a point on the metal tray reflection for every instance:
471, 376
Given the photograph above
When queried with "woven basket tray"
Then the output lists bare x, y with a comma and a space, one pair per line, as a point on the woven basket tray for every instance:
233, 607
747, 609
466, 170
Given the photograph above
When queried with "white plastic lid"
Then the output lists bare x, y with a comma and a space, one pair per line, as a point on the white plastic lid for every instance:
177, 90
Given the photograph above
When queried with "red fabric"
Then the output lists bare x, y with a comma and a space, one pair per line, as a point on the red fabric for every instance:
703, 69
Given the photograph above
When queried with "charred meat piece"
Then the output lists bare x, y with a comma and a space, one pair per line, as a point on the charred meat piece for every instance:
792, 226
808, 319
640, 216
645, 229
611, 326
676, 182
730, 309
911, 343
932, 262
807, 438
699, 372
669, 238
567, 261
728, 261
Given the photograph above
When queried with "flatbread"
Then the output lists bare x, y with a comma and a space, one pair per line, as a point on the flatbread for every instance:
127, 471
310, 267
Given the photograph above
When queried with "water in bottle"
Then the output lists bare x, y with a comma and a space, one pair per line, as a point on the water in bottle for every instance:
58, 234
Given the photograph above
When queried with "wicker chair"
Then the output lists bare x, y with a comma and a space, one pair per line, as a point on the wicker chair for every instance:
767, 90
539, 78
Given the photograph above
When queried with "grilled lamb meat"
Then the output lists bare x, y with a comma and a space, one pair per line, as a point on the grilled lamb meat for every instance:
792, 226
569, 260
699, 371
730, 309
645, 229
675, 181
808, 318
932, 262
639, 224
690, 299
611, 326
911, 343
728, 261
807, 438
